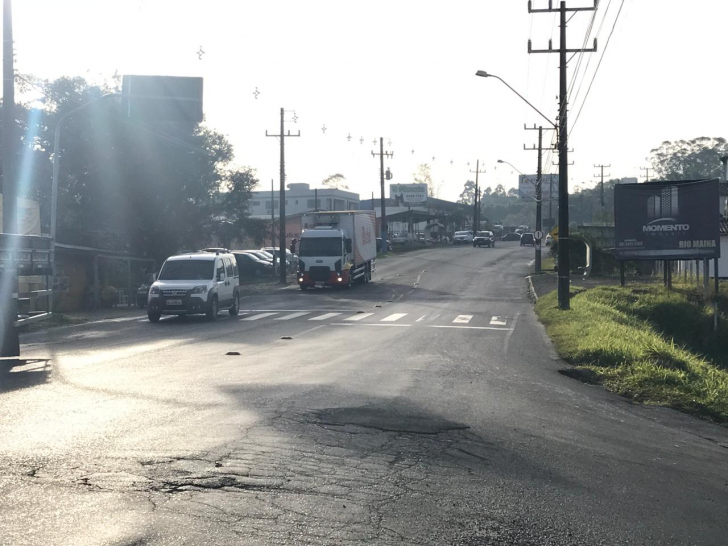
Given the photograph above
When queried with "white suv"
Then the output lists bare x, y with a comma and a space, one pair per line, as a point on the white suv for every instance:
200, 283
462, 237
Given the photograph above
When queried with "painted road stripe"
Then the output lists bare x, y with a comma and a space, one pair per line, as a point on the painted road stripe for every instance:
472, 327
370, 324
294, 315
393, 318
261, 316
498, 321
421, 318
463, 319
360, 316
325, 316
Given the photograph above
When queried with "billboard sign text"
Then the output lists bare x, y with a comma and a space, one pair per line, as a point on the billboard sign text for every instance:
667, 220
408, 193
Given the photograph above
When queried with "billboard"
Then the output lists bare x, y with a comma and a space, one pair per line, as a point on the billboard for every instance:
408, 193
549, 186
667, 220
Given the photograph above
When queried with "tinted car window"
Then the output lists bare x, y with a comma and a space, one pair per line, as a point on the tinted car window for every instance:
186, 270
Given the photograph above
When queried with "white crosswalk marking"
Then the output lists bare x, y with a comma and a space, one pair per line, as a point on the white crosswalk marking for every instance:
325, 316
360, 316
394, 317
260, 316
463, 319
498, 321
294, 315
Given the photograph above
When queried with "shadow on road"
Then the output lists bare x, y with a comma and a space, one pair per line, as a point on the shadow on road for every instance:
23, 374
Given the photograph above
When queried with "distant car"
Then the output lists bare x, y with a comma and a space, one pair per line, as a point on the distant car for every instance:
252, 266
484, 238
549, 239
527, 239
291, 259
462, 237
399, 239
511, 237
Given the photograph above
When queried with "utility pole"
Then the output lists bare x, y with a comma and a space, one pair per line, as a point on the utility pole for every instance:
563, 273
272, 215
601, 184
476, 209
647, 172
382, 154
282, 198
9, 337
539, 190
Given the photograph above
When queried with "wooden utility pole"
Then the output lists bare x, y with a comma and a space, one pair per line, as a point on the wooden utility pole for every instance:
539, 189
382, 154
647, 172
563, 273
282, 236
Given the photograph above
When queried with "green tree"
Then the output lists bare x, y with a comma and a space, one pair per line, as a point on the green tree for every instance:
689, 159
467, 197
499, 191
423, 176
148, 188
335, 181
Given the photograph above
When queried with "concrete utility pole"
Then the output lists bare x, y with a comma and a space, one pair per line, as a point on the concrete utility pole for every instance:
539, 189
563, 273
272, 215
476, 206
647, 172
382, 155
9, 337
601, 184
282, 198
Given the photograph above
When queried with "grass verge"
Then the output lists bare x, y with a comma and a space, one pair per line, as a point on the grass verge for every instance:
644, 342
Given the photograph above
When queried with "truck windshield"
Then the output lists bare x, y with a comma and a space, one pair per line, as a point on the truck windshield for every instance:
187, 270
320, 246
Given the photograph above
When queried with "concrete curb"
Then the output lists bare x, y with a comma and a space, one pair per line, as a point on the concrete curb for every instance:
531, 289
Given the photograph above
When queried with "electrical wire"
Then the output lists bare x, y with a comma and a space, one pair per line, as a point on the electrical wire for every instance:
586, 70
616, 19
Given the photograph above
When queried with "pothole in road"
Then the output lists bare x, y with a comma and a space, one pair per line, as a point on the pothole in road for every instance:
386, 420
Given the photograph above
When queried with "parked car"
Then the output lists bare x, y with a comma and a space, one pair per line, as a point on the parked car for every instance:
484, 238
291, 259
511, 237
399, 239
142, 293
462, 237
251, 265
198, 283
527, 239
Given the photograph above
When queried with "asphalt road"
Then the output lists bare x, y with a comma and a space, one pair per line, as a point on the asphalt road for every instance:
424, 408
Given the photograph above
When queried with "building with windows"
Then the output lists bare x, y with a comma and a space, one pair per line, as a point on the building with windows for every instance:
301, 198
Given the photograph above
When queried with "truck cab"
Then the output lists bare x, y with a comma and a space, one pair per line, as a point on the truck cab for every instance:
336, 249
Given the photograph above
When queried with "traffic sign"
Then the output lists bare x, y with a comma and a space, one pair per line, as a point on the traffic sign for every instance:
555, 233
538, 235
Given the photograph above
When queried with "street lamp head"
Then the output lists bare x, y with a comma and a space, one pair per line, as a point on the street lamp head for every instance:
501, 161
482, 73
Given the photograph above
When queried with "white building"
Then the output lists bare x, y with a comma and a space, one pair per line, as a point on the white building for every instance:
301, 198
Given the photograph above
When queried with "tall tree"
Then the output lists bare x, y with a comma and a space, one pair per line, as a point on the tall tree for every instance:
467, 197
689, 159
499, 191
424, 176
335, 181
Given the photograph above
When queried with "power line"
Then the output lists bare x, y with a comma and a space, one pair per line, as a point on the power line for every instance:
598, 65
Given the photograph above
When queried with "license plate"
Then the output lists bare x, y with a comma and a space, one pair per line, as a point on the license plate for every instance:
319, 283
174, 302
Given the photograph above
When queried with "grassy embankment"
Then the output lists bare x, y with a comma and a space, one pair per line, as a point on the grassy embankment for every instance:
646, 343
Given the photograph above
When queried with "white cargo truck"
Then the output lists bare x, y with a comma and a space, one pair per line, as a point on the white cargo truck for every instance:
336, 248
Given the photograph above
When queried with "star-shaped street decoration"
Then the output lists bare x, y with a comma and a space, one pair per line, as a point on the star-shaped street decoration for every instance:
349, 137
295, 117
361, 140
389, 142
374, 141
433, 158
200, 53
323, 129
451, 162
256, 92
413, 152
